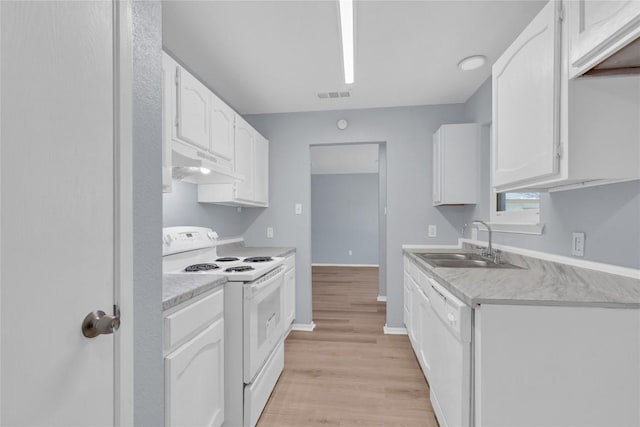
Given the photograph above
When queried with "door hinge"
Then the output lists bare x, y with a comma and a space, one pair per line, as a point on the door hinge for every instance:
559, 150
561, 13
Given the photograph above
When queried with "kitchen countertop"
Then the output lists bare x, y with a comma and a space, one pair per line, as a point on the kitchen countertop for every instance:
180, 287
238, 249
539, 282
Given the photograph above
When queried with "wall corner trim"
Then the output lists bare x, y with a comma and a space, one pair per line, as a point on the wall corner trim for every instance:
382, 298
303, 327
394, 331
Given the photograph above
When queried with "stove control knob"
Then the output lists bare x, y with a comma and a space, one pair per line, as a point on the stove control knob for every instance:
168, 239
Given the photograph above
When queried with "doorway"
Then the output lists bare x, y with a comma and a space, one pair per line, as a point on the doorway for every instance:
348, 210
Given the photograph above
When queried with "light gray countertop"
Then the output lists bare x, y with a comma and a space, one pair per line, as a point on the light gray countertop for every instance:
180, 287
539, 282
238, 249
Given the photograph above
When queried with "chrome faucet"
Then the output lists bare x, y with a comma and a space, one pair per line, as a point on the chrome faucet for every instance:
489, 251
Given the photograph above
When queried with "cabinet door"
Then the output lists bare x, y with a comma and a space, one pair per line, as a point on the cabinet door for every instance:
169, 68
194, 107
437, 167
526, 103
194, 380
261, 179
222, 128
407, 302
598, 28
289, 297
427, 322
415, 317
245, 155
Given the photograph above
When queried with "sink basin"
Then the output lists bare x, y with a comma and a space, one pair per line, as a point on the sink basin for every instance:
461, 260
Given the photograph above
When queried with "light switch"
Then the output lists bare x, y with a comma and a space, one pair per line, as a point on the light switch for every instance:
298, 208
577, 244
433, 230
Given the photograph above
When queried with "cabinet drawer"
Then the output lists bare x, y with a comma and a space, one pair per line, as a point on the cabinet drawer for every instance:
186, 322
289, 262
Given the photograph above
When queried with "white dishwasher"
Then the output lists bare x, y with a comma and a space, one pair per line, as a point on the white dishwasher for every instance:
451, 363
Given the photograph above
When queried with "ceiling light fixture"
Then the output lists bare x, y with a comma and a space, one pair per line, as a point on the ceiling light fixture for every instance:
346, 26
472, 62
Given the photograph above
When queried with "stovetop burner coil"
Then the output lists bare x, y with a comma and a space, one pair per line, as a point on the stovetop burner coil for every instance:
201, 267
258, 259
239, 269
228, 259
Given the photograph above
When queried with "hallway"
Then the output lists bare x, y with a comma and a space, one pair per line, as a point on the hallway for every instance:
347, 372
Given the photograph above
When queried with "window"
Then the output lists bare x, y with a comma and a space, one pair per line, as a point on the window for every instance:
517, 202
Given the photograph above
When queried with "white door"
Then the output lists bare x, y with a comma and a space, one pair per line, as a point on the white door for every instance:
526, 99
245, 155
58, 143
222, 128
194, 106
261, 180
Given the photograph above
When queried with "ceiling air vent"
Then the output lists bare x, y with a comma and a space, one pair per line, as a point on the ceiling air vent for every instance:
333, 95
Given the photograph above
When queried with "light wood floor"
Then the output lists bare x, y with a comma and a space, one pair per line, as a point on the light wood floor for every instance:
347, 372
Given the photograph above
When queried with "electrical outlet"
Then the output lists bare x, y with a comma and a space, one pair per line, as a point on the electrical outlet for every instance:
350, 252
577, 244
269, 232
298, 208
433, 230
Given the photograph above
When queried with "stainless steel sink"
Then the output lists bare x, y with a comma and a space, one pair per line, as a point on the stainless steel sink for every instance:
462, 260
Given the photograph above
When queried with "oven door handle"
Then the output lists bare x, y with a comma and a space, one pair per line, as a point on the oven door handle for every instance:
262, 285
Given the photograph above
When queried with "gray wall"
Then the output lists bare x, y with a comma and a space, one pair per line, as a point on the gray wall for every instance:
344, 217
147, 214
382, 220
181, 207
407, 132
609, 214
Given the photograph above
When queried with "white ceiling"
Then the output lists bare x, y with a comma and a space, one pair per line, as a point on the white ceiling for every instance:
345, 158
274, 56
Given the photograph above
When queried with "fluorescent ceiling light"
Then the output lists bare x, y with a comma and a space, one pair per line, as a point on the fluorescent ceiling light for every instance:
472, 62
205, 171
346, 26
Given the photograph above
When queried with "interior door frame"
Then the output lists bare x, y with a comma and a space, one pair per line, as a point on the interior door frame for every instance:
123, 398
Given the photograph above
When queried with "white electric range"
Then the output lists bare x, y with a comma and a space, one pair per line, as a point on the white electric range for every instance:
253, 316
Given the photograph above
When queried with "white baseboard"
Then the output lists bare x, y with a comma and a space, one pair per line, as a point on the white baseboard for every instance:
304, 327
394, 331
345, 265
382, 298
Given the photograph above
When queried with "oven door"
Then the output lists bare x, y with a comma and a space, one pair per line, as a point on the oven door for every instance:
263, 322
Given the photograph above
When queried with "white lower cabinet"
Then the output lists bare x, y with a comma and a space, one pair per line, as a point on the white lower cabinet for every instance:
194, 362
538, 366
289, 291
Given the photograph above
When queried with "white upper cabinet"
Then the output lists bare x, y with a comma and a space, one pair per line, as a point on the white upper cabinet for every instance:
194, 109
526, 95
455, 164
198, 129
261, 178
251, 162
598, 29
245, 159
222, 128
553, 132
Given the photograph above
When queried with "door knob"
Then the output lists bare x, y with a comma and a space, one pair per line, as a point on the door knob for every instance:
99, 323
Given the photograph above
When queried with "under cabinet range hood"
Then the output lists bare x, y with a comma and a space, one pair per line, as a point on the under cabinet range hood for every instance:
199, 167
624, 62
